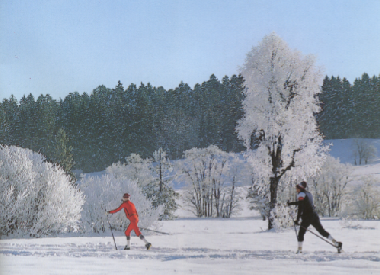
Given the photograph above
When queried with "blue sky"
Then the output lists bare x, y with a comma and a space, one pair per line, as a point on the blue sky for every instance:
62, 46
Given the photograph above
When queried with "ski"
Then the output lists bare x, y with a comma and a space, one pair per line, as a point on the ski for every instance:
160, 232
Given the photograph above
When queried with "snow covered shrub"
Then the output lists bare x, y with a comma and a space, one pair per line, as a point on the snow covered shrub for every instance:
154, 178
329, 187
212, 177
283, 216
162, 187
36, 197
365, 201
258, 196
136, 168
105, 193
363, 150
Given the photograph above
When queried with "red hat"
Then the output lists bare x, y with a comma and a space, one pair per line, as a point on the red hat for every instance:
302, 185
126, 196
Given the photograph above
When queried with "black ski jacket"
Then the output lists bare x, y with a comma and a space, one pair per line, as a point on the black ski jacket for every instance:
305, 206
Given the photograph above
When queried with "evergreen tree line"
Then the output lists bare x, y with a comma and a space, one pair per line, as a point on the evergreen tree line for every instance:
90, 132
350, 110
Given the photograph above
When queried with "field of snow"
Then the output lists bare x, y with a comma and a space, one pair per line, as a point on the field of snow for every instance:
239, 245
200, 246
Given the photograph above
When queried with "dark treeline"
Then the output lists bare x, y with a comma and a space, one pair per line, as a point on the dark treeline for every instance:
350, 110
110, 124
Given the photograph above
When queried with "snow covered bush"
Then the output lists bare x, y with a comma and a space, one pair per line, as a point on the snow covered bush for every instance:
136, 169
36, 197
283, 217
365, 200
259, 198
105, 193
212, 177
329, 187
153, 176
363, 150
162, 186
280, 105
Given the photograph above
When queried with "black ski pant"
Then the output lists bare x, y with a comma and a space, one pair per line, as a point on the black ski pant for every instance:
314, 221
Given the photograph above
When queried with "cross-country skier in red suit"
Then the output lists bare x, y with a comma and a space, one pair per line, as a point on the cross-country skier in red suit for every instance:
307, 214
133, 217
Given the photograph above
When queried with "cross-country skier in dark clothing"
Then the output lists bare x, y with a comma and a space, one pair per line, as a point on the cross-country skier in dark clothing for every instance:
308, 216
133, 217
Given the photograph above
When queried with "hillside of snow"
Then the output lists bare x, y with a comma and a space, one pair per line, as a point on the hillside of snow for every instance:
343, 149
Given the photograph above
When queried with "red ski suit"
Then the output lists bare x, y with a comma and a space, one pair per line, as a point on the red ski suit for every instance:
133, 217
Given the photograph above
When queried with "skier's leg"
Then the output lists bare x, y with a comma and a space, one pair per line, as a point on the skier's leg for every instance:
301, 233
129, 230
128, 235
128, 246
318, 226
141, 236
303, 228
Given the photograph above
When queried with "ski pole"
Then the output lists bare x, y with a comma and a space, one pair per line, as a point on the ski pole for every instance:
294, 225
111, 232
143, 228
318, 236
312, 233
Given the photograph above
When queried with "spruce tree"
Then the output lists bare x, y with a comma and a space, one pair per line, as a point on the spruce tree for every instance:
162, 186
61, 153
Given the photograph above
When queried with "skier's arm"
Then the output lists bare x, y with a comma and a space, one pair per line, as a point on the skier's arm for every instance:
116, 210
301, 200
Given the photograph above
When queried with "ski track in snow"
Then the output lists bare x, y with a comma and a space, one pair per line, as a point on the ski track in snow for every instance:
106, 250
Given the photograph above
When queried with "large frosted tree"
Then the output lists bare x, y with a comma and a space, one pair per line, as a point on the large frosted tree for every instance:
279, 107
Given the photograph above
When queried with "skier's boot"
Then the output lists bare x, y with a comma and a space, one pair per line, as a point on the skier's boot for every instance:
148, 246
336, 244
339, 246
299, 250
128, 246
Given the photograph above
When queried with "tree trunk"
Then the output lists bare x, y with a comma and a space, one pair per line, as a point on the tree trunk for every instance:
273, 199
276, 169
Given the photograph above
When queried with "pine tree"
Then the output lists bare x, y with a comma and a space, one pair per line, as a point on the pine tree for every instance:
162, 186
61, 153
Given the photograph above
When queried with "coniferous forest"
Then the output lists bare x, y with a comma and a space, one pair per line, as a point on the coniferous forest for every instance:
109, 124
91, 131
350, 110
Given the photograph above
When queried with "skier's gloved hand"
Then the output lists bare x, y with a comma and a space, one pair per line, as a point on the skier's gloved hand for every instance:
297, 222
288, 203
107, 212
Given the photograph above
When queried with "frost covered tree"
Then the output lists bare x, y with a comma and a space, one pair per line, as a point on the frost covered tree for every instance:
258, 197
136, 168
363, 150
212, 182
104, 193
279, 105
36, 197
329, 187
162, 186
61, 153
365, 200
152, 176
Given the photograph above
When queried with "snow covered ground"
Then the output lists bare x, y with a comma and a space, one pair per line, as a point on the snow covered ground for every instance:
200, 246
239, 245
